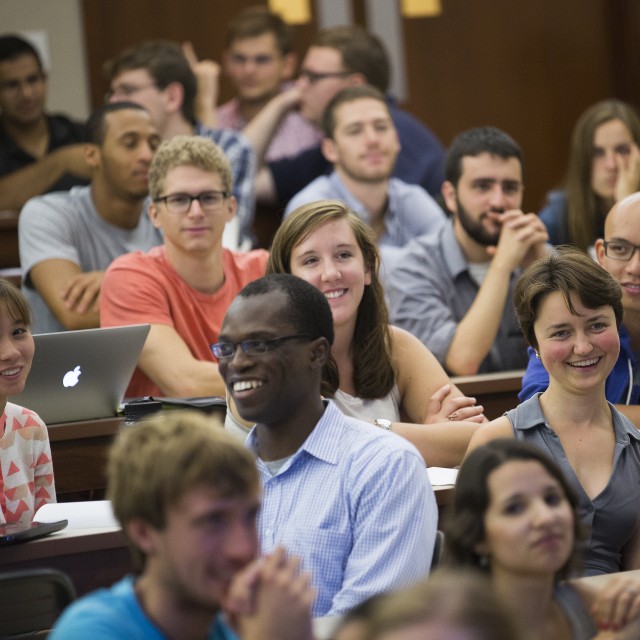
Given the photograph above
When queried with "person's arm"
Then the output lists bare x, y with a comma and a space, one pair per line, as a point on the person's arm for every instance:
71, 294
421, 381
428, 399
499, 428
19, 186
166, 359
522, 238
394, 537
614, 604
262, 127
628, 178
207, 73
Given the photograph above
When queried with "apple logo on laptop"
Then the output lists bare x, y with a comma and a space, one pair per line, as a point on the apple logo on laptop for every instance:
71, 377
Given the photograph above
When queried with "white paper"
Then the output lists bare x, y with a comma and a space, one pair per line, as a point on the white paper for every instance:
439, 476
92, 514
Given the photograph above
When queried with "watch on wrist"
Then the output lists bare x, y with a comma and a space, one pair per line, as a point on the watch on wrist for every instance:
383, 423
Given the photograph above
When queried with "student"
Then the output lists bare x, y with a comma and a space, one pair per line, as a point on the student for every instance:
157, 75
352, 501
604, 167
450, 605
384, 374
260, 61
570, 309
26, 470
361, 142
68, 239
38, 152
187, 496
183, 287
617, 252
515, 516
453, 290
340, 57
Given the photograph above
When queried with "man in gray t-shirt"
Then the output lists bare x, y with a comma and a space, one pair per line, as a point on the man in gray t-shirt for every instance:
453, 291
68, 239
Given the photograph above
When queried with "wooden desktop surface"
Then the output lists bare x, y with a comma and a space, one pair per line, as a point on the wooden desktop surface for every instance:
92, 558
9, 256
79, 451
496, 392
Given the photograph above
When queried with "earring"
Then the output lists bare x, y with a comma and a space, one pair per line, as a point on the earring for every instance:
537, 355
483, 560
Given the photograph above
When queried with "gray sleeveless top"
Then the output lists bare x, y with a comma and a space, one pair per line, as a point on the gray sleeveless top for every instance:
612, 516
582, 626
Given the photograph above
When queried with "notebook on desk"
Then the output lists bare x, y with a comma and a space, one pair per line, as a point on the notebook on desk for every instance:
81, 375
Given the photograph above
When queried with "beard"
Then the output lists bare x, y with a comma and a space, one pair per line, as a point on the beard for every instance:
475, 229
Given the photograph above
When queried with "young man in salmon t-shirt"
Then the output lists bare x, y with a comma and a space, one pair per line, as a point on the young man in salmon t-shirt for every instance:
182, 288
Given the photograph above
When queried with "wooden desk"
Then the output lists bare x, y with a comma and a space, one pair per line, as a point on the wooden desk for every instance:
496, 392
92, 558
9, 255
79, 451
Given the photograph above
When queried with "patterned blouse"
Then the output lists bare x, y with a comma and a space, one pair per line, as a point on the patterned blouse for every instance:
26, 469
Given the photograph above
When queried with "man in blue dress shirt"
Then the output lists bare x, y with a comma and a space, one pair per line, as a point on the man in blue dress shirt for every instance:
353, 501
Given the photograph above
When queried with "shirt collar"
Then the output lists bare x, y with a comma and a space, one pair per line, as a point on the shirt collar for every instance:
322, 443
625, 432
451, 250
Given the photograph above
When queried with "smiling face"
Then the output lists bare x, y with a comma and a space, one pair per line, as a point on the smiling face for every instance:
330, 259
529, 521
261, 385
365, 143
578, 351
206, 540
611, 144
197, 231
16, 353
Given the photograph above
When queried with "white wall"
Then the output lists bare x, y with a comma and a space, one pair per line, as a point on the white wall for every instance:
57, 24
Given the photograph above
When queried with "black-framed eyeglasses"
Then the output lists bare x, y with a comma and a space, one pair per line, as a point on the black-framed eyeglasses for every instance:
314, 77
226, 350
617, 250
180, 203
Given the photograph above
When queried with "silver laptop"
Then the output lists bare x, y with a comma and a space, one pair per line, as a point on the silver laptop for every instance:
81, 375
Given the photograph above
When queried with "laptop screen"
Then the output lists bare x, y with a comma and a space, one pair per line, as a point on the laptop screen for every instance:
81, 375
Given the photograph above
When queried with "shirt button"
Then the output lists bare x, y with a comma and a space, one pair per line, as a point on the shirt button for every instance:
590, 509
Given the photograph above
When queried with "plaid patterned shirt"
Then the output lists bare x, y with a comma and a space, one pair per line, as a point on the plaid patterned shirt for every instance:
356, 505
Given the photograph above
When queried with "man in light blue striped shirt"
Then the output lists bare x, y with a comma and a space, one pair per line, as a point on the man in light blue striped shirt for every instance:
352, 500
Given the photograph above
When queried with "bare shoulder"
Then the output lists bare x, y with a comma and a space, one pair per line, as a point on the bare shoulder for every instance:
499, 428
415, 364
405, 345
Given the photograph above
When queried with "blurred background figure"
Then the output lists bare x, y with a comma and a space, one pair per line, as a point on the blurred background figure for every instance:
604, 167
